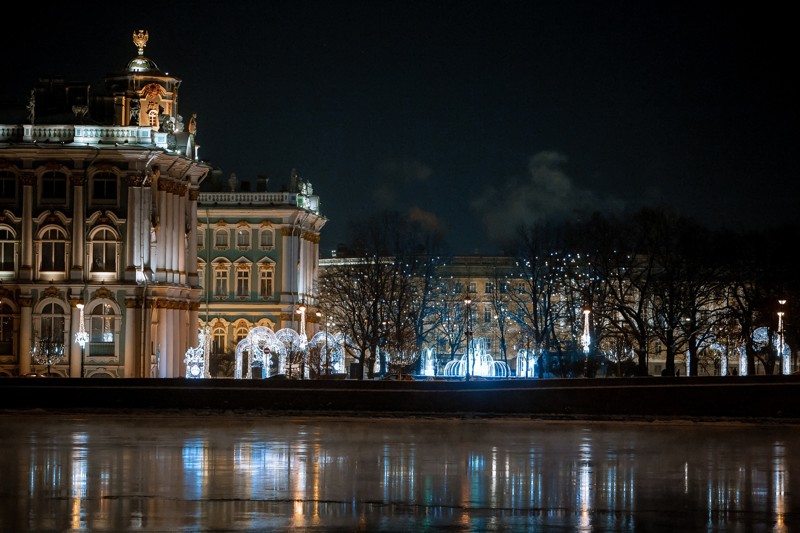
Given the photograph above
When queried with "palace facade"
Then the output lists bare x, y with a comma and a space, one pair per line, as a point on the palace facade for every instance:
98, 221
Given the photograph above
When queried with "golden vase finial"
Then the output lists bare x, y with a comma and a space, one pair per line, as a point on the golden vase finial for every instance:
140, 39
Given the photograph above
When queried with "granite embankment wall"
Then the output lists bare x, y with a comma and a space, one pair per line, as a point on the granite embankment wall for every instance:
761, 397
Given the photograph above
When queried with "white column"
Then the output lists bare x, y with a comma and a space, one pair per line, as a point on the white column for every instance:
191, 252
25, 330
78, 231
163, 342
26, 264
130, 345
74, 347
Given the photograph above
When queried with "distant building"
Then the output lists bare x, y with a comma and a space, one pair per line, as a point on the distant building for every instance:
258, 259
98, 194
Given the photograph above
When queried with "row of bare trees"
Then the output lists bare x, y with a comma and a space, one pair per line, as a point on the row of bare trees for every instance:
647, 279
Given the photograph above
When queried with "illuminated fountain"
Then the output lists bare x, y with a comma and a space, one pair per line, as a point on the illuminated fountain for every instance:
428, 363
526, 363
477, 362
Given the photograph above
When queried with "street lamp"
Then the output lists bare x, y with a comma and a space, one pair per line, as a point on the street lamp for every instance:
785, 361
586, 341
81, 337
468, 320
324, 322
302, 312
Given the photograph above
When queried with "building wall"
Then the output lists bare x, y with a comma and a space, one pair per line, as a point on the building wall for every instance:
243, 237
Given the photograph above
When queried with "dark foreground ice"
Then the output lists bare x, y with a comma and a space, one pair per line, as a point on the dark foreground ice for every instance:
176, 472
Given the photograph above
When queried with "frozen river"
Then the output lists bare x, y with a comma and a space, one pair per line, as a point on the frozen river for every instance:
176, 472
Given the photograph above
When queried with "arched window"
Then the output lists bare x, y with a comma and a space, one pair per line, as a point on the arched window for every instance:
102, 331
240, 334
243, 238
53, 250
267, 239
103, 251
51, 323
8, 246
221, 239
218, 344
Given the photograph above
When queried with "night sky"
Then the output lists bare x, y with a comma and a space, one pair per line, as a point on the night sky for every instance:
467, 114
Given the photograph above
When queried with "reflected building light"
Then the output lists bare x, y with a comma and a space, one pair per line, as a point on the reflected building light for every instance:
584, 484
686, 478
78, 469
779, 487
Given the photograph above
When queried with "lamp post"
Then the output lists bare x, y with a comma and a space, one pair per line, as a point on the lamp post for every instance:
47, 352
785, 361
81, 337
586, 341
324, 322
468, 332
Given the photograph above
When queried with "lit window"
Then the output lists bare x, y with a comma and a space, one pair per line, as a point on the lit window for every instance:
218, 346
221, 239
240, 334
265, 283
267, 240
243, 238
473, 287
242, 282
489, 288
102, 330
52, 323
6, 330
221, 282
53, 256
104, 251
7, 248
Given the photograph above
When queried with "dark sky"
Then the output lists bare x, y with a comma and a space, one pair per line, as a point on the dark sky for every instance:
474, 116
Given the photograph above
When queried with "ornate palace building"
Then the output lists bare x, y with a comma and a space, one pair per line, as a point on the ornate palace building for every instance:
98, 227
258, 259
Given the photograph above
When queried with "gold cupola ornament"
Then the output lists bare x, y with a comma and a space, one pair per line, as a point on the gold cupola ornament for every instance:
140, 63
140, 40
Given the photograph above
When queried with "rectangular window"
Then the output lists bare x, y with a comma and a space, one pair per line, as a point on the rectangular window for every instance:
8, 188
489, 288
219, 341
104, 257
487, 315
104, 188
221, 239
242, 283
473, 287
201, 239
220, 283
265, 283
53, 256
54, 186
